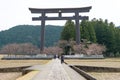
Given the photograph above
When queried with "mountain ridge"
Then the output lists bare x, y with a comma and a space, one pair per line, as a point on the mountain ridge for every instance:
30, 34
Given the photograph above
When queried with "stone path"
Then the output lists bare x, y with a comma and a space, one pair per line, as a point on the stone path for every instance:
54, 70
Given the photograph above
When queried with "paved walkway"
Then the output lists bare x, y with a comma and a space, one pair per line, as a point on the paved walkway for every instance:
54, 70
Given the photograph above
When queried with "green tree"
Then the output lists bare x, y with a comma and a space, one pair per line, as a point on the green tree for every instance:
105, 34
117, 41
92, 33
98, 31
68, 31
84, 30
110, 37
87, 31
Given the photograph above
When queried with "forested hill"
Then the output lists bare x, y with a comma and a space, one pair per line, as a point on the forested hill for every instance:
119, 26
30, 33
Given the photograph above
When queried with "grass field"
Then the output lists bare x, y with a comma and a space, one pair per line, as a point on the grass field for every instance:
10, 75
28, 76
109, 62
18, 63
106, 75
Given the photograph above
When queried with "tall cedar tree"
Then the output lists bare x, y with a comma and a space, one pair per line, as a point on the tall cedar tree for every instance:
68, 31
117, 41
105, 33
98, 31
87, 31
84, 30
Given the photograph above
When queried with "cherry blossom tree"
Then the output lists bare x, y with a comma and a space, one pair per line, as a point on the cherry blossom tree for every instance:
79, 49
95, 49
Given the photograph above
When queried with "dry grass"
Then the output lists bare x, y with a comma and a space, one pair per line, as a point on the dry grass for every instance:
110, 62
106, 76
1, 56
10, 76
28, 76
19, 63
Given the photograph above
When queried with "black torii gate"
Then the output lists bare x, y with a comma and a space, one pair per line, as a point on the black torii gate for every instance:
76, 17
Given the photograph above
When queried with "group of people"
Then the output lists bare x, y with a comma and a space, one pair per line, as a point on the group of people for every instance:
60, 57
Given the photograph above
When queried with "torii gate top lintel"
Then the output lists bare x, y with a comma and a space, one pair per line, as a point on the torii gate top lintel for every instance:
57, 10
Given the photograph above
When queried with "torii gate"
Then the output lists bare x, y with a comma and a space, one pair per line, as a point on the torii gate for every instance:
43, 18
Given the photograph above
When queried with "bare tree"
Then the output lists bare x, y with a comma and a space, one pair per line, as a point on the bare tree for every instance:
25, 48
10, 49
62, 43
53, 50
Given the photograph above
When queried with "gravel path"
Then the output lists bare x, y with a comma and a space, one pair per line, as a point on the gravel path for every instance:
57, 71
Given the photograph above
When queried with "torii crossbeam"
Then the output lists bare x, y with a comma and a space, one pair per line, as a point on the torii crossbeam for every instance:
59, 11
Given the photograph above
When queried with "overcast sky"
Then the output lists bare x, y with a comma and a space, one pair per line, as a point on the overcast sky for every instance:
15, 12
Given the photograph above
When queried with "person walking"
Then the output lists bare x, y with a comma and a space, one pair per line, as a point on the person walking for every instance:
62, 59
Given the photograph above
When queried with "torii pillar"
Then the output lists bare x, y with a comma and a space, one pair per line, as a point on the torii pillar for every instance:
77, 27
42, 32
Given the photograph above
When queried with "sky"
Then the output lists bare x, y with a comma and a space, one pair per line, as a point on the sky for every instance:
16, 12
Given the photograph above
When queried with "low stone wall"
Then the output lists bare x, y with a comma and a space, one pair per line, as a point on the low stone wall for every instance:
26, 58
97, 69
26, 71
83, 56
83, 73
13, 57
13, 69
